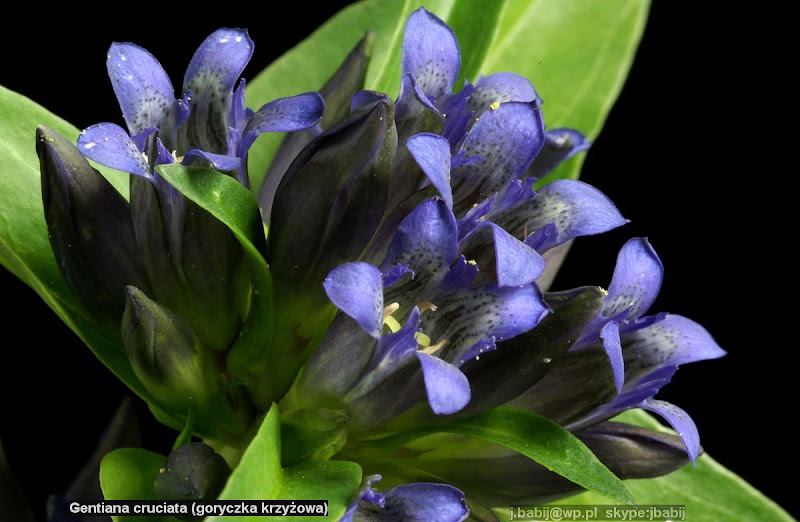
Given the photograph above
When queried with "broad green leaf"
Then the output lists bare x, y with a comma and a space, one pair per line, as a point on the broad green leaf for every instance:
531, 435
236, 207
129, 474
576, 53
24, 245
709, 491
259, 476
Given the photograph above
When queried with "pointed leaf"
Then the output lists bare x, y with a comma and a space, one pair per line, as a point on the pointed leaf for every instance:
259, 476
236, 207
24, 245
129, 473
576, 53
535, 437
709, 491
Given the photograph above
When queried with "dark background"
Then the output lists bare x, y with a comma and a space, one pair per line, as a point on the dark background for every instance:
683, 155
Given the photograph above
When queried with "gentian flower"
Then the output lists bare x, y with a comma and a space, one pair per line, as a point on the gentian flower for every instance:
409, 250
178, 274
443, 319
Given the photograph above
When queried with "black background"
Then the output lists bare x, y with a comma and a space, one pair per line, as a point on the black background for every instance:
683, 155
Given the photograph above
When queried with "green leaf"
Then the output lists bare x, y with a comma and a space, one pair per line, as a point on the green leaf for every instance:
529, 434
236, 207
259, 476
24, 245
576, 53
709, 491
129, 474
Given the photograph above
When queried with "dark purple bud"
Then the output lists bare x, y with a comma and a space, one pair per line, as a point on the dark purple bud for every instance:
90, 229
632, 452
337, 92
192, 472
194, 262
314, 231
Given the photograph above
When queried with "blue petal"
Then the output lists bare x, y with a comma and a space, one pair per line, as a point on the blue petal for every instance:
447, 388
512, 262
576, 209
508, 139
501, 88
680, 422
211, 77
426, 242
432, 153
109, 145
611, 344
430, 56
423, 502
364, 98
393, 348
673, 341
470, 315
416, 502
357, 289
457, 117
636, 281
291, 114
393, 274
218, 162
239, 111
561, 144
143, 89
366, 493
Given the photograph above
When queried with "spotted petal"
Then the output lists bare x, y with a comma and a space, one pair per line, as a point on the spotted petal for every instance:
636, 281
467, 316
430, 57
215, 67
143, 89
573, 207
425, 242
357, 289
432, 153
680, 422
291, 114
560, 145
507, 139
109, 145
501, 257
501, 88
673, 341
447, 388
609, 336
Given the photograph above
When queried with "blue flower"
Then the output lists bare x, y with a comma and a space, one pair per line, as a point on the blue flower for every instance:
442, 316
209, 124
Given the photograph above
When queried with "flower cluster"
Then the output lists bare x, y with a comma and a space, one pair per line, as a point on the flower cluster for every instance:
409, 253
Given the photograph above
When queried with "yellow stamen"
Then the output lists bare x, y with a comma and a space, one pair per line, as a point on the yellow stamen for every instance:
495, 106
392, 323
422, 339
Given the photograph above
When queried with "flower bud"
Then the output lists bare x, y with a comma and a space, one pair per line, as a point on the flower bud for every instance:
326, 211
336, 93
348, 166
90, 229
195, 263
192, 472
167, 357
